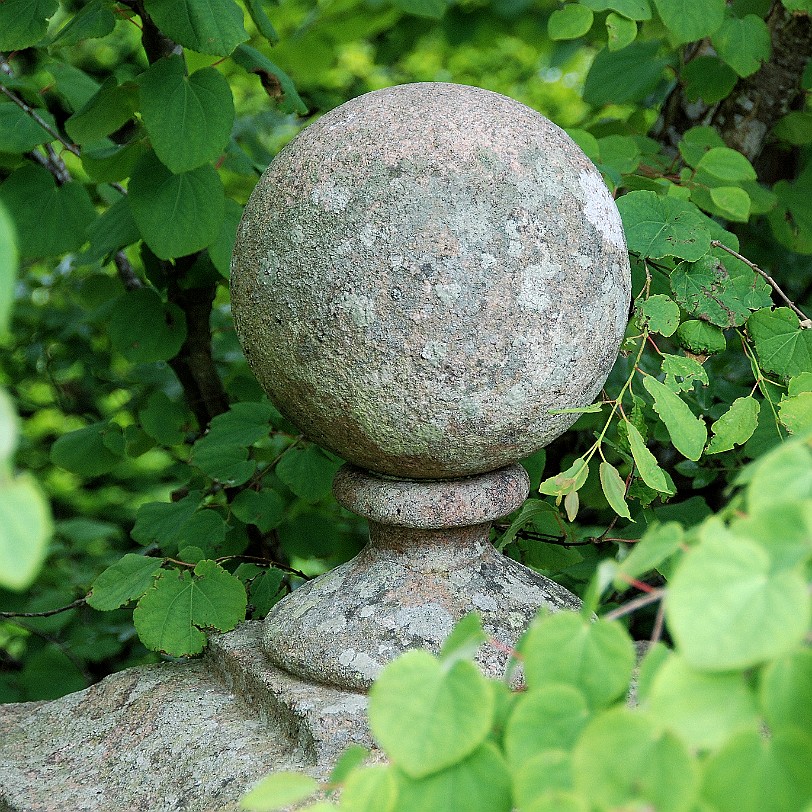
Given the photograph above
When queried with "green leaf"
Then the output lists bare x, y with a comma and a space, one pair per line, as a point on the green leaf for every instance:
112, 163
91, 22
757, 773
786, 692
624, 76
206, 26
353, 756
531, 509
111, 107
370, 789
782, 346
620, 30
796, 413
480, 783
115, 229
596, 658
728, 610
688, 433
145, 329
127, 579
449, 712
625, 760
785, 475
647, 466
220, 250
170, 616
265, 509
633, 9
266, 591
726, 164
743, 43
433, 9
8, 267
697, 141
222, 461
50, 220
243, 424
24, 22
19, 132
620, 153
547, 718
9, 431
164, 420
465, 640
783, 529
688, 20
188, 118
85, 451
659, 226
706, 290
686, 369
251, 60
732, 201
176, 214
25, 529
708, 79
658, 544
614, 489
701, 338
735, 426
308, 472
795, 128
278, 790
548, 772
704, 710
570, 22
162, 522
261, 21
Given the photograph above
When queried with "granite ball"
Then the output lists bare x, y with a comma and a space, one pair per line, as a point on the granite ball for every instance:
424, 273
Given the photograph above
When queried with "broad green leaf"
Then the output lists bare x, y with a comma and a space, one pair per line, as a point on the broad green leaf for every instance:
265, 508
547, 718
633, 9
113, 230
796, 413
25, 529
658, 544
85, 451
220, 250
782, 346
243, 424
697, 141
708, 79
531, 509
800, 383
625, 760
164, 420
567, 481
144, 329
24, 22
308, 472
795, 128
162, 522
620, 30
465, 640
480, 783
728, 610
278, 790
703, 709
688, 433
433, 9
647, 466
798, 5
110, 108
701, 338
570, 22
449, 712
596, 658
614, 489
757, 773
261, 21
743, 43
19, 132
681, 372
706, 290
9, 430
619, 152
95, 20
206, 26
176, 214
50, 220
112, 162
272, 76
8, 267
353, 756
783, 529
127, 579
659, 226
688, 20
266, 591
188, 118
785, 475
735, 426
727, 164
624, 76
732, 201
370, 789
170, 616
550, 771
222, 461
785, 692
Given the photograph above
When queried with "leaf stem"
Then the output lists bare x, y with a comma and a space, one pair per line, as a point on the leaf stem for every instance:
635, 604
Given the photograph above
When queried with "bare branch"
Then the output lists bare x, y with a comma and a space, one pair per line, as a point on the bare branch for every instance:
75, 605
635, 604
39, 119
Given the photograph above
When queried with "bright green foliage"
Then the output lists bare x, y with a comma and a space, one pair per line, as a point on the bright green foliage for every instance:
658, 544
709, 79
661, 314
207, 26
614, 489
111, 107
126, 580
786, 692
24, 22
646, 462
621, 31
188, 118
623, 76
279, 789
90, 451
308, 472
735, 426
144, 329
178, 605
688, 432
8, 271
688, 20
633, 9
781, 345
570, 22
95, 20
19, 132
743, 43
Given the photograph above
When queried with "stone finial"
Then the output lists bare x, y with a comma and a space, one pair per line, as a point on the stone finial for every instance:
419, 279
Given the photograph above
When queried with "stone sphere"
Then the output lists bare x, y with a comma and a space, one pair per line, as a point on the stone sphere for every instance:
424, 273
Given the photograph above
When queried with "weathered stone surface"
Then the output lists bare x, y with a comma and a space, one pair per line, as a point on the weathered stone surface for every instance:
426, 271
193, 736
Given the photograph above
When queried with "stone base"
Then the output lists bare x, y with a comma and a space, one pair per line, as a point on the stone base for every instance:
193, 736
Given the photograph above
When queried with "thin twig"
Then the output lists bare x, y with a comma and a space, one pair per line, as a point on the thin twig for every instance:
268, 562
657, 631
28, 110
806, 322
77, 603
637, 603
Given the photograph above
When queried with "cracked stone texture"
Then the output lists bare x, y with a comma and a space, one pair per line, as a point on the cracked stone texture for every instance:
426, 271
193, 736
429, 561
